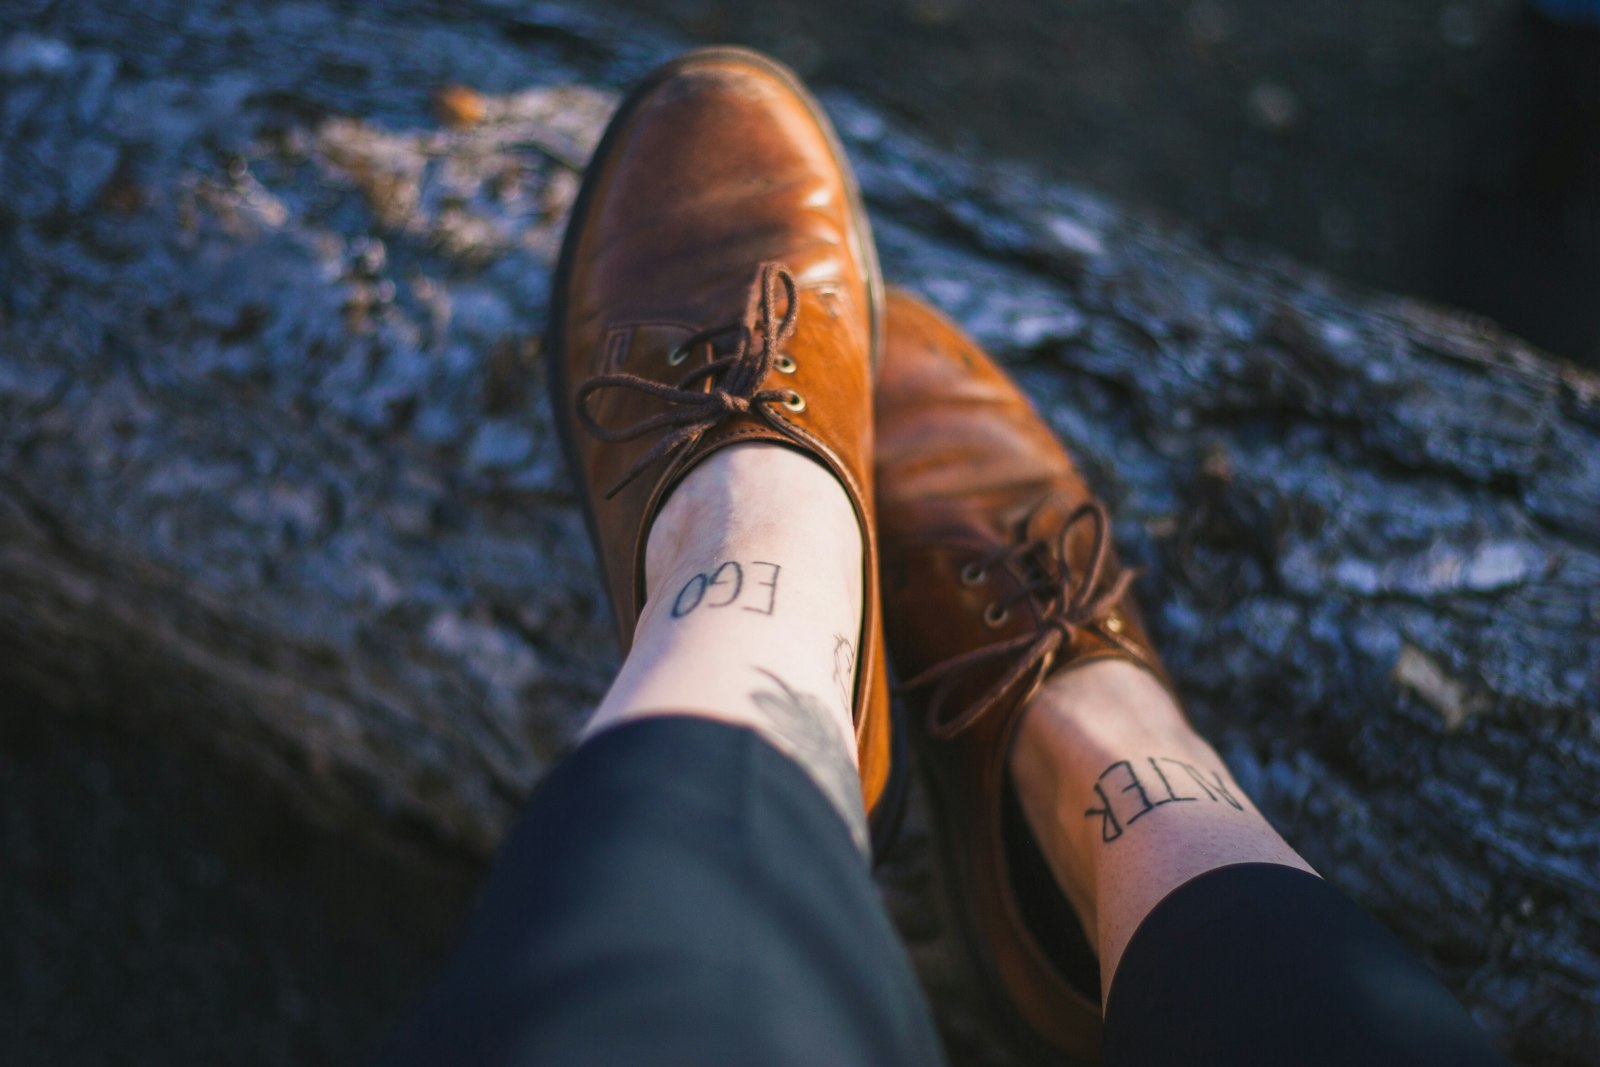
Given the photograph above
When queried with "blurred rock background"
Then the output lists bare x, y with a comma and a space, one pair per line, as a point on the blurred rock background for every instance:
284, 207
1444, 148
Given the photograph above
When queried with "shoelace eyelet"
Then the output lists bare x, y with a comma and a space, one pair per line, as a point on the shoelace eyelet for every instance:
723, 387
1113, 623
994, 616
973, 574
785, 365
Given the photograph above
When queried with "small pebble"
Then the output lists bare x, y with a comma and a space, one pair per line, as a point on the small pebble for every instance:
1273, 106
458, 107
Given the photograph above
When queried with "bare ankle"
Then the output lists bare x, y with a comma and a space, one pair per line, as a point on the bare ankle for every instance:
1125, 797
1075, 733
1070, 730
750, 497
754, 587
1112, 698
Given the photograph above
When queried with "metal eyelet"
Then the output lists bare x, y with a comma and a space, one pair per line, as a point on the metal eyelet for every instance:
785, 365
1113, 623
794, 402
973, 574
676, 357
995, 616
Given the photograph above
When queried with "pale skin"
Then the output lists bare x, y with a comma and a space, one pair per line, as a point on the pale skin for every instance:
1086, 722
753, 614
753, 578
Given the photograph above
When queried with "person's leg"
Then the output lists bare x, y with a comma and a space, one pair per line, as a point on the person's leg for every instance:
690, 886
1070, 795
1217, 942
753, 604
1126, 801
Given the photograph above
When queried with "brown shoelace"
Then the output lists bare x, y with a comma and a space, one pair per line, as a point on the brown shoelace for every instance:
1071, 603
692, 409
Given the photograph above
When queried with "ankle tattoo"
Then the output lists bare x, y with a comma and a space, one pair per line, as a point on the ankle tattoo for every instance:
724, 586
798, 725
844, 670
1125, 797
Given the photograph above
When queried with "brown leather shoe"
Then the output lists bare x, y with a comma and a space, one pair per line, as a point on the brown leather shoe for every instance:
717, 285
997, 572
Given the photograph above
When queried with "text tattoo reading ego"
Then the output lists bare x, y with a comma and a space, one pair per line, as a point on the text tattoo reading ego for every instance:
725, 587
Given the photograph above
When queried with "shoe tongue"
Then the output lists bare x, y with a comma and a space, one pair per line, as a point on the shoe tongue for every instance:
723, 344
1045, 520
1043, 528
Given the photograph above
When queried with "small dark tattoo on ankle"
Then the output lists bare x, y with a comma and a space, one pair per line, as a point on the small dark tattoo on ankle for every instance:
1125, 798
724, 587
844, 669
797, 723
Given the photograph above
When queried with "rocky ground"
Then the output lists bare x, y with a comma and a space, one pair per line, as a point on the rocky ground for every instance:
317, 611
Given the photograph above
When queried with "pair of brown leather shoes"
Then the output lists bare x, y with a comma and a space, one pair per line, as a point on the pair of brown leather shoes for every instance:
718, 284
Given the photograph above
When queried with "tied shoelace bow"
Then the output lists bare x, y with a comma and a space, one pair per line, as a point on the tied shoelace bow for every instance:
693, 410
1069, 606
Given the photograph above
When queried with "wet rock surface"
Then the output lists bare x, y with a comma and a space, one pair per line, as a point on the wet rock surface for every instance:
278, 481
